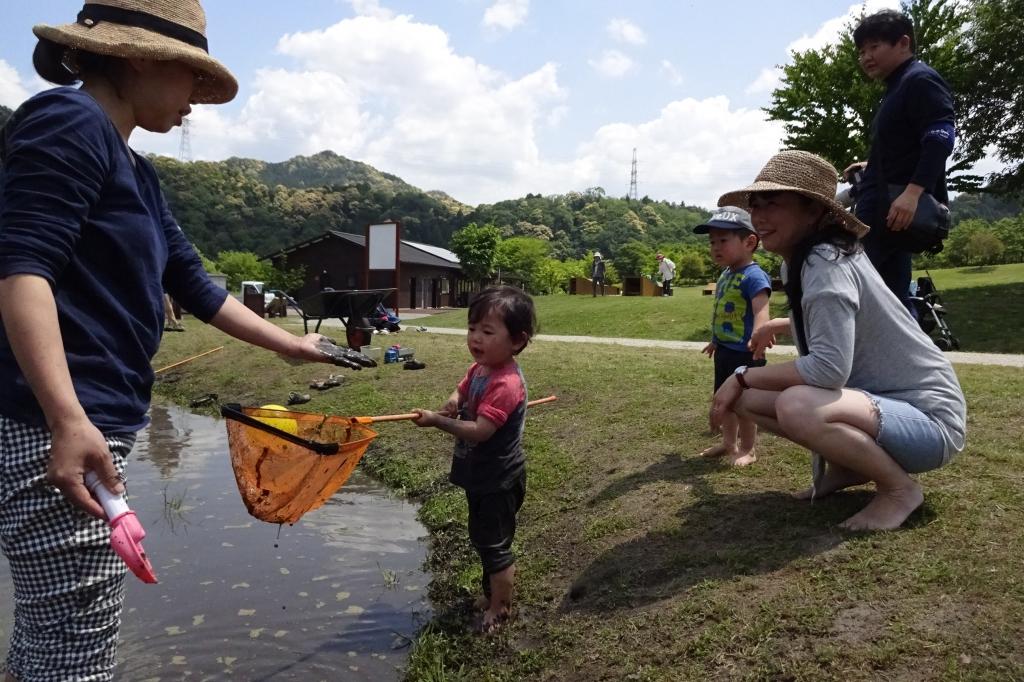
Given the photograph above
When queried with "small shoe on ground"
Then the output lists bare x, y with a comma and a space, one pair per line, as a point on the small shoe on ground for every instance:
318, 384
204, 400
421, 329
297, 398
333, 380
174, 329
413, 364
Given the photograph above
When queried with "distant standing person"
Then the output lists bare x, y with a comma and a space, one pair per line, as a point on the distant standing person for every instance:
597, 273
667, 270
325, 279
741, 307
911, 137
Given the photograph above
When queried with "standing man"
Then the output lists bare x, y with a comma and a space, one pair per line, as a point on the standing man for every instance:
911, 137
667, 269
597, 274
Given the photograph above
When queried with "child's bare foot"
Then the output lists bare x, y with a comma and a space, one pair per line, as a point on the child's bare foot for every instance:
888, 510
481, 603
835, 478
718, 450
742, 460
493, 620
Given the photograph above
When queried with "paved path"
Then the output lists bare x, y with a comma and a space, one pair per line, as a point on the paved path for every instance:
1004, 360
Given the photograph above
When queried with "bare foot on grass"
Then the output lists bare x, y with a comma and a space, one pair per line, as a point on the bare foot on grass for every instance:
746, 459
493, 620
481, 602
835, 478
888, 510
717, 450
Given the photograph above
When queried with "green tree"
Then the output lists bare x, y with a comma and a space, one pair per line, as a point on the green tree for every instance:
242, 266
984, 248
997, 71
635, 258
690, 267
522, 256
476, 246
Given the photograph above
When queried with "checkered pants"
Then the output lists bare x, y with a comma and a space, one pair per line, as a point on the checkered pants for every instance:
68, 582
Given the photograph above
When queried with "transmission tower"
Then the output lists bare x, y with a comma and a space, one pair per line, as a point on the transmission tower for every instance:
185, 146
632, 180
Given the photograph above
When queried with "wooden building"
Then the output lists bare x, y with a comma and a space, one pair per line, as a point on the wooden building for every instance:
429, 276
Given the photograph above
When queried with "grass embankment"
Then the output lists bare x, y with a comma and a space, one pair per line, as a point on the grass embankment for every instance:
639, 560
985, 311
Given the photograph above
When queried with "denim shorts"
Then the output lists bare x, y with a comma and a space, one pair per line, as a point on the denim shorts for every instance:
909, 436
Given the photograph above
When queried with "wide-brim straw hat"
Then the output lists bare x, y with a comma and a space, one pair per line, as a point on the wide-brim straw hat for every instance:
150, 29
804, 173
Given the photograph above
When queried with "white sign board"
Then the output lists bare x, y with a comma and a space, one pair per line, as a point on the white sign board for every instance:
383, 246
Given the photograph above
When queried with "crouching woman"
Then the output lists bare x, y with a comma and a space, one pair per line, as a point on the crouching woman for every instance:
870, 395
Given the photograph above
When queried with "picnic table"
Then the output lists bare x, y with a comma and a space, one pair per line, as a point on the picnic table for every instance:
351, 306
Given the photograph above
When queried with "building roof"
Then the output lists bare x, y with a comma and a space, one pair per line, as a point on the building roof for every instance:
408, 252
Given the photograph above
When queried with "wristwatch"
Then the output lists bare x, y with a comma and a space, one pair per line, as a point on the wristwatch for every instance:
739, 373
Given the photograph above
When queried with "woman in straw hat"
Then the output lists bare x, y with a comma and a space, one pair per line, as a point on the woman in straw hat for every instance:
87, 246
870, 395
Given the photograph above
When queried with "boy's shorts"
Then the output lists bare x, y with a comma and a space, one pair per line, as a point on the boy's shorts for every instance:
68, 582
492, 526
727, 360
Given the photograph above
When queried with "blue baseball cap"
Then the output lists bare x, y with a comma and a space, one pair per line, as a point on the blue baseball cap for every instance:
727, 218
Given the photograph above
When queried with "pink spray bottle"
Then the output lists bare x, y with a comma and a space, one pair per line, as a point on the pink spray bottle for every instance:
126, 532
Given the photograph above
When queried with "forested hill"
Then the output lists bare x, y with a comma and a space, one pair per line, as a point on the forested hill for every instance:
250, 205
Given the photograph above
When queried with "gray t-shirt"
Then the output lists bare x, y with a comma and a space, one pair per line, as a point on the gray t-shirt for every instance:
860, 336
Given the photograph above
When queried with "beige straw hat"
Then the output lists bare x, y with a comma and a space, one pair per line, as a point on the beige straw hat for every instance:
803, 173
150, 29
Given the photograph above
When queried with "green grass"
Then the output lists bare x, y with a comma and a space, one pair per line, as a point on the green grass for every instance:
985, 311
640, 561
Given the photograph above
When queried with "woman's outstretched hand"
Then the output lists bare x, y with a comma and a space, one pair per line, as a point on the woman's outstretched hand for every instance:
725, 397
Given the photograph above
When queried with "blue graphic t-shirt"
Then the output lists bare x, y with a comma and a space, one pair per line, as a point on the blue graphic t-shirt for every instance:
733, 319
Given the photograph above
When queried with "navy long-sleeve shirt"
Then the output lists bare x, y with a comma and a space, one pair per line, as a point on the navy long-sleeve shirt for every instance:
912, 134
81, 210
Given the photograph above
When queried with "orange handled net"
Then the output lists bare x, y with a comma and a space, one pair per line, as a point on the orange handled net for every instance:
288, 463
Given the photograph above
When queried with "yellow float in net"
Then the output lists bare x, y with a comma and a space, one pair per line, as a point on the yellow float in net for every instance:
282, 474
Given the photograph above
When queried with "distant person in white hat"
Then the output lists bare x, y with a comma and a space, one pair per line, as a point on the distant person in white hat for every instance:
87, 247
597, 273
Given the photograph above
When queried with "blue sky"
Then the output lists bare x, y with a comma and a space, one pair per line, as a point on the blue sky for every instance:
491, 99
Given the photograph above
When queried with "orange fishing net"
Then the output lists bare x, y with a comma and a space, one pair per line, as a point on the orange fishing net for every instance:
288, 463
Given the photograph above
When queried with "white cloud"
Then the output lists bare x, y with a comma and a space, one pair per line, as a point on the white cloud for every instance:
612, 63
829, 31
12, 91
766, 81
625, 31
670, 72
370, 8
694, 151
506, 14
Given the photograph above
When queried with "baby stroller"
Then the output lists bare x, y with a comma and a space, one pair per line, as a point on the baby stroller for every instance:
931, 314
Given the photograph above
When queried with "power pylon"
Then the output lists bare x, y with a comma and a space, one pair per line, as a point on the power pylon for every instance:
632, 180
185, 145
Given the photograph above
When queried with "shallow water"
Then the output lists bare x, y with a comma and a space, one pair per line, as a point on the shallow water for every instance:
336, 596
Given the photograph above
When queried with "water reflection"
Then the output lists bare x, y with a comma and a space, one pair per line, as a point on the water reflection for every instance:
336, 596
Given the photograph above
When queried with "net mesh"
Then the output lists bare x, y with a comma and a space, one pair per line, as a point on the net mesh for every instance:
278, 480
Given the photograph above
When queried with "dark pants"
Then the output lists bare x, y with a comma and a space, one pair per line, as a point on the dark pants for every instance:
666, 287
492, 526
598, 282
727, 360
892, 262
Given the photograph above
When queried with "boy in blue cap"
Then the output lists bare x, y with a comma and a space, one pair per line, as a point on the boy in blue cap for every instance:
741, 306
